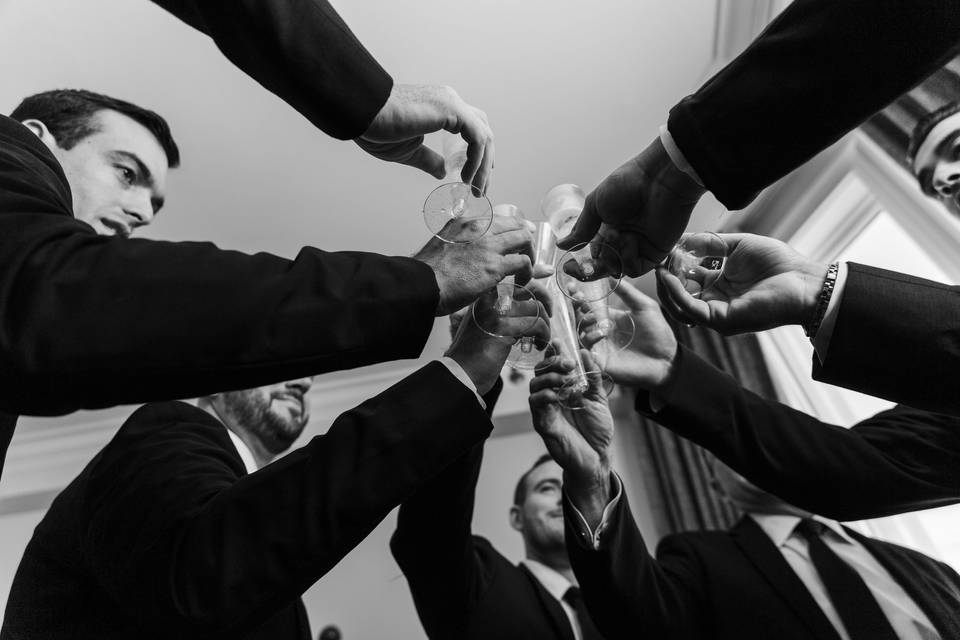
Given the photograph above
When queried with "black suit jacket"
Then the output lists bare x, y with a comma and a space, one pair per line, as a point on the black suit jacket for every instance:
88, 321
896, 337
302, 51
156, 320
160, 536
736, 584
899, 460
818, 70
463, 588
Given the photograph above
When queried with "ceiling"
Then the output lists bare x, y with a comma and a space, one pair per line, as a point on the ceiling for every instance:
570, 95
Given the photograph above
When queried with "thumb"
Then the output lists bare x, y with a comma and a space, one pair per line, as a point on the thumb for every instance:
427, 160
585, 228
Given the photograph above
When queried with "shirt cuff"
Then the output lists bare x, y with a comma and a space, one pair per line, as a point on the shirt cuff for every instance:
583, 529
676, 155
821, 341
457, 372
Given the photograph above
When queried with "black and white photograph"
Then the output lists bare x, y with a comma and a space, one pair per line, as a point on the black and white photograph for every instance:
490, 320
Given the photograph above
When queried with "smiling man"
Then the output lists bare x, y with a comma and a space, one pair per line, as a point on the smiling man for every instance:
463, 587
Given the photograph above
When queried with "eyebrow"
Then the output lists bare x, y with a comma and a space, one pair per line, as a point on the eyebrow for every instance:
155, 201
946, 142
552, 481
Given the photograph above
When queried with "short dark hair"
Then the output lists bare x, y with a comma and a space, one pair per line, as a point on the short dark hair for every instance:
520, 492
68, 114
926, 125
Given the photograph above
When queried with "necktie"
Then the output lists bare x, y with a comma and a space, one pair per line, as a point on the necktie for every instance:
587, 630
861, 614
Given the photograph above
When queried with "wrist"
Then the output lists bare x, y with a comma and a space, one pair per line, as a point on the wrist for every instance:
589, 491
476, 368
812, 276
672, 176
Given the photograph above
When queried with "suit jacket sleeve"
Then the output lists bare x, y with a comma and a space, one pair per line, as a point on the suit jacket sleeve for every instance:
89, 321
775, 106
896, 337
173, 534
899, 460
629, 593
434, 546
300, 50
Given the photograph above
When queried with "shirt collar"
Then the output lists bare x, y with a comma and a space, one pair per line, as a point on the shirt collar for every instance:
779, 527
554, 582
245, 455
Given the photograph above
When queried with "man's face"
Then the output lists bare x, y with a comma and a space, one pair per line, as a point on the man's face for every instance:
117, 174
540, 518
937, 163
275, 414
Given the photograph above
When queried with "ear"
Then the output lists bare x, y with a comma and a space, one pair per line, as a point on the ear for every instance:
41, 131
515, 521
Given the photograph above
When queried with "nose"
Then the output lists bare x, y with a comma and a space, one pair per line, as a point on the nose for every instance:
140, 209
946, 177
301, 384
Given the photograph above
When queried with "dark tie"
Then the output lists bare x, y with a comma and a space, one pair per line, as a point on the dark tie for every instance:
587, 630
861, 614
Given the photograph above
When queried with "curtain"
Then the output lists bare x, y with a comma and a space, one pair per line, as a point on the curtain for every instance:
668, 470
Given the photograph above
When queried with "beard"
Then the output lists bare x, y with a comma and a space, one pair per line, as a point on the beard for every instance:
276, 432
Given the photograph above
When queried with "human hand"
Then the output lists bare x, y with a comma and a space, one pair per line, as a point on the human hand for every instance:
579, 441
465, 270
411, 111
647, 361
640, 210
482, 355
764, 284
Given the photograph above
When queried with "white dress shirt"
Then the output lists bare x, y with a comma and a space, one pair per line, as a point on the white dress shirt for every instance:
556, 585
245, 454
907, 619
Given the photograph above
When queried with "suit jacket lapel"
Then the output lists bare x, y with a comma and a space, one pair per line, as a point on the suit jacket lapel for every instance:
554, 610
768, 560
936, 598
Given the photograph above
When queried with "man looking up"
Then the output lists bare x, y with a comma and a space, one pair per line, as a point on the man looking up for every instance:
179, 528
934, 154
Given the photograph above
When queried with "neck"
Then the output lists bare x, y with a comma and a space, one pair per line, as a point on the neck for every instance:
261, 456
556, 560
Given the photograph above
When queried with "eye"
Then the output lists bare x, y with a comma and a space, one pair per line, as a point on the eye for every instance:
126, 174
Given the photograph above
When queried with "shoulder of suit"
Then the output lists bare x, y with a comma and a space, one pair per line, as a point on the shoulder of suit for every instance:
23, 151
168, 420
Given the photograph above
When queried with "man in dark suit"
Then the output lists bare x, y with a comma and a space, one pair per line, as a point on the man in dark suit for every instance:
463, 588
167, 534
240, 320
766, 113
302, 51
781, 572
899, 460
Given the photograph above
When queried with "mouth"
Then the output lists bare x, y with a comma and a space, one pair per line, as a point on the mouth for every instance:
294, 398
118, 227
556, 514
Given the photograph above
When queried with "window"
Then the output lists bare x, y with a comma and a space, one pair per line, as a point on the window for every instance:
872, 213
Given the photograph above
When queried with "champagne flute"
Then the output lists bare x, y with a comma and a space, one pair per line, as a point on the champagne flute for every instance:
697, 261
457, 212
